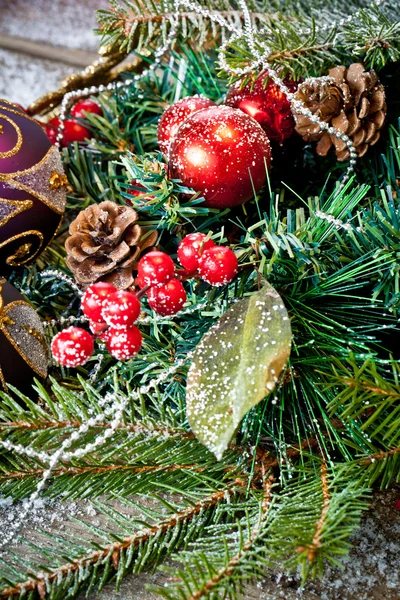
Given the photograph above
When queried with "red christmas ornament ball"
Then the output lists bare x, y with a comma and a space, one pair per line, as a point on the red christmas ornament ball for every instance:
72, 347
73, 131
155, 268
267, 104
218, 265
121, 309
167, 299
123, 344
94, 298
175, 115
221, 153
86, 106
191, 248
52, 128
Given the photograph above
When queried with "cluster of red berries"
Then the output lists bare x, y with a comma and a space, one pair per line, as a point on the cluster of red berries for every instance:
73, 131
112, 314
217, 265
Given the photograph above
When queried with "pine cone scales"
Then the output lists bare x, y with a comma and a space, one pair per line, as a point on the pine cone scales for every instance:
105, 243
351, 100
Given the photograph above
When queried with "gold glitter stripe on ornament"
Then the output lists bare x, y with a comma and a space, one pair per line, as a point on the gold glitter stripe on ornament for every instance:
40, 337
3, 381
40, 176
15, 174
10, 108
15, 260
1, 129
20, 206
10, 338
2, 282
18, 145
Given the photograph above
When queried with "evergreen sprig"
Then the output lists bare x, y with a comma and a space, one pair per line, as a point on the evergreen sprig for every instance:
301, 38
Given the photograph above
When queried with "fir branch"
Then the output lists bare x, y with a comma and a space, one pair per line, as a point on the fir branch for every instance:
316, 543
235, 562
107, 557
379, 456
226, 558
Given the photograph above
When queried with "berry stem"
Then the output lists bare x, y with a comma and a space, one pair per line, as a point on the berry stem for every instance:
184, 275
142, 291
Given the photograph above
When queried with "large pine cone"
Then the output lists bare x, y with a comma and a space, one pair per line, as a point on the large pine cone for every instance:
351, 100
105, 244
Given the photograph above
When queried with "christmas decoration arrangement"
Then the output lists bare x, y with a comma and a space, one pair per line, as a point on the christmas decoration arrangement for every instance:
199, 298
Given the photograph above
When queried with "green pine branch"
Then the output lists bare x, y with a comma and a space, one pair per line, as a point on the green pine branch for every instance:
300, 37
224, 560
68, 565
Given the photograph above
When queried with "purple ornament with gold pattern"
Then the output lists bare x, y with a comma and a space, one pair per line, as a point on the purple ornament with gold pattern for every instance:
23, 348
32, 188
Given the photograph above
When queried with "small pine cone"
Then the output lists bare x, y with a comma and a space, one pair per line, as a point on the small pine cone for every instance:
361, 116
324, 99
105, 244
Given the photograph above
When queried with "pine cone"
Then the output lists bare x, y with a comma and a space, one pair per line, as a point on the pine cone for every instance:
352, 100
105, 244
324, 99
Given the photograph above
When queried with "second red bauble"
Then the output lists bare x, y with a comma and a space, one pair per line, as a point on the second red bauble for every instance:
221, 153
175, 115
267, 104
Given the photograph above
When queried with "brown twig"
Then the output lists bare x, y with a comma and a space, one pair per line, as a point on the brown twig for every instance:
235, 560
314, 546
95, 470
127, 21
379, 456
369, 388
114, 550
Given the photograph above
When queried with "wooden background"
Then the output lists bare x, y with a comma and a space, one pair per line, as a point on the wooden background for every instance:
42, 41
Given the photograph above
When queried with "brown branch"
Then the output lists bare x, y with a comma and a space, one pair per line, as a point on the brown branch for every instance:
313, 547
268, 462
235, 560
298, 52
369, 388
95, 470
114, 549
126, 22
379, 456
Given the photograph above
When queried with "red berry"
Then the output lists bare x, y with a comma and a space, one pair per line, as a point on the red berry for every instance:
52, 128
74, 132
100, 330
175, 115
72, 347
86, 106
155, 268
267, 104
123, 344
218, 265
167, 299
221, 153
191, 248
93, 300
121, 309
